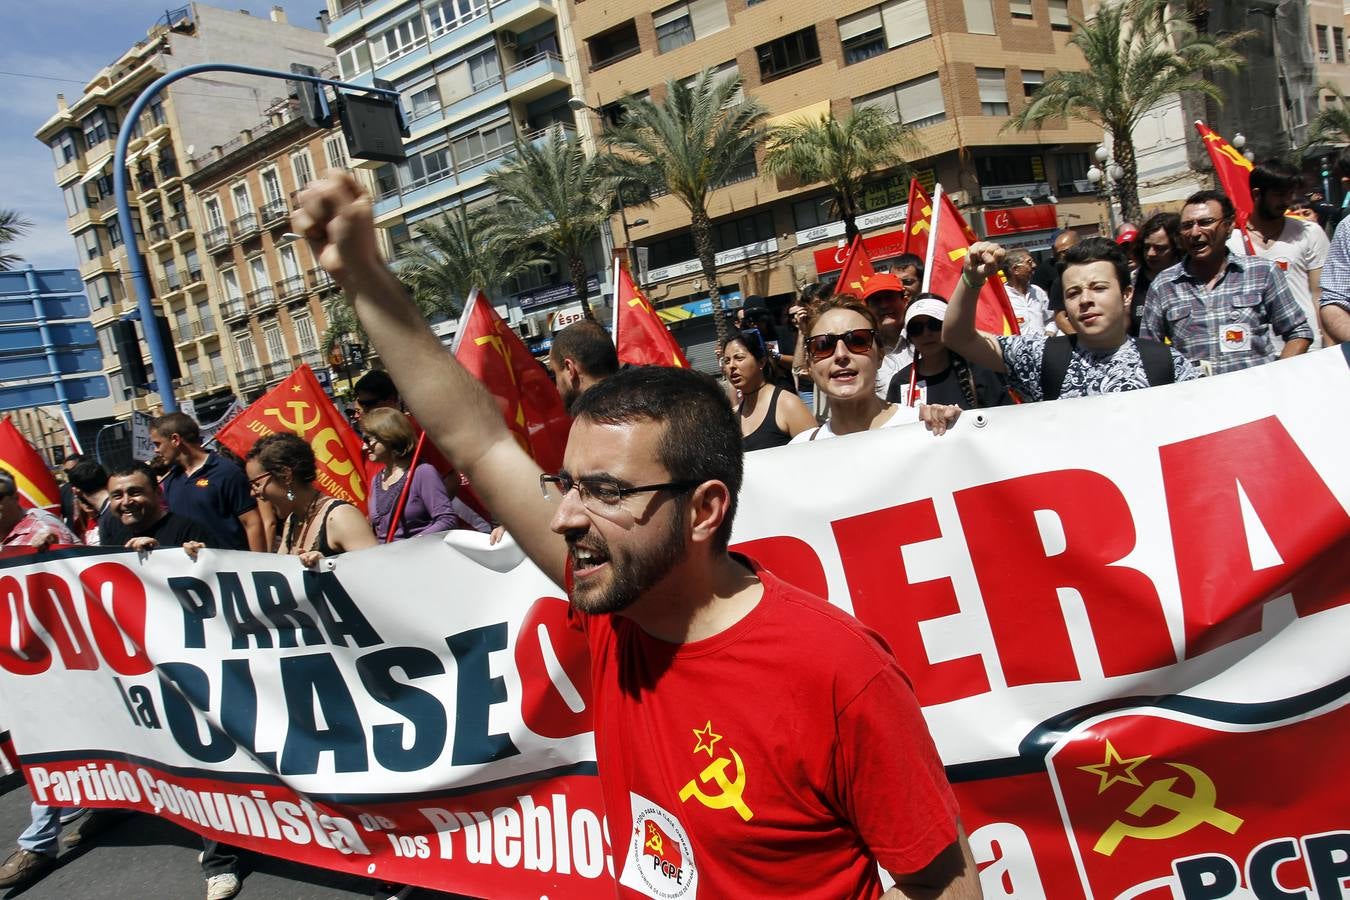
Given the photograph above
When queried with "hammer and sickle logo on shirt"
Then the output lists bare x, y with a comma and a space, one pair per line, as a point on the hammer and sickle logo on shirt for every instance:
731, 790
1190, 810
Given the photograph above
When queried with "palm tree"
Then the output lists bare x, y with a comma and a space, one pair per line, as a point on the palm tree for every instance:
840, 154
12, 227
687, 146
1138, 52
1331, 125
550, 197
454, 255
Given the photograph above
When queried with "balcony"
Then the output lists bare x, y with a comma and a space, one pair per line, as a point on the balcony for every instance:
320, 280
203, 327
194, 275
179, 224
541, 74
182, 333
276, 371
234, 309
250, 379
209, 380
217, 239
245, 227
312, 358
167, 169
274, 212
261, 299
145, 181
170, 283
157, 234
292, 288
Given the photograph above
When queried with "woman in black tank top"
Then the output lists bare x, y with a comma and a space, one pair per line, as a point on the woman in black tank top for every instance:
281, 469
770, 416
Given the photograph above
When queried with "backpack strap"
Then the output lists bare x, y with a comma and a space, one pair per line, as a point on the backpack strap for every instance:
1157, 360
1055, 364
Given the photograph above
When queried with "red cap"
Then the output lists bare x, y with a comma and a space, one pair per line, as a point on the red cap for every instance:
882, 281
1127, 236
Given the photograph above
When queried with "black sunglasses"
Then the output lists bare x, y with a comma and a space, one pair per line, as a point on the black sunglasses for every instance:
859, 340
921, 324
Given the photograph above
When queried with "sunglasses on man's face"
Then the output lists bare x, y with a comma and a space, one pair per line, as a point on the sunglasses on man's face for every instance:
859, 340
919, 326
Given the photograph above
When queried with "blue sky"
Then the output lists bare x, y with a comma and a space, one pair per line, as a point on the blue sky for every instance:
56, 48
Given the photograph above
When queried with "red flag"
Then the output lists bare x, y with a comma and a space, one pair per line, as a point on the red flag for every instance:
530, 404
918, 220
37, 486
1232, 169
857, 270
300, 406
640, 336
949, 240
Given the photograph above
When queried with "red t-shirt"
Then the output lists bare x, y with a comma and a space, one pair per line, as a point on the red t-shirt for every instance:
786, 756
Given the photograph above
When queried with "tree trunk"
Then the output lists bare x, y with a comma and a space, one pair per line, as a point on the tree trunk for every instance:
577, 265
701, 227
848, 212
1122, 147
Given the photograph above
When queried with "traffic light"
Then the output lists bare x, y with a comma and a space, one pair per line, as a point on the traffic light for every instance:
372, 127
129, 353
356, 355
314, 108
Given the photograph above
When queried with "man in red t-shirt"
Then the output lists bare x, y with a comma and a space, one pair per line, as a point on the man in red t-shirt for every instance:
750, 737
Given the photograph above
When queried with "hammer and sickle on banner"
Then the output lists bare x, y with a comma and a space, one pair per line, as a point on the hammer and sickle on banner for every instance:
731, 790
639, 303
1190, 811
499, 345
297, 423
922, 224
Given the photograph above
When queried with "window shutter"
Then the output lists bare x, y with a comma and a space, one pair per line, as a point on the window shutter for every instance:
860, 24
993, 85
980, 16
669, 14
708, 16
921, 98
905, 20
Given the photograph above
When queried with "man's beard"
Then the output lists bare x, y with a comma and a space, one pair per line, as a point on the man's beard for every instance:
636, 572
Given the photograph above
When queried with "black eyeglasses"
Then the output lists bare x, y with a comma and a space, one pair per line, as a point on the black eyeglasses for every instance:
859, 340
604, 493
919, 325
257, 483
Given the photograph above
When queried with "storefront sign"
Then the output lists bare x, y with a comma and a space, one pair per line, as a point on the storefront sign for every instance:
1017, 219
878, 246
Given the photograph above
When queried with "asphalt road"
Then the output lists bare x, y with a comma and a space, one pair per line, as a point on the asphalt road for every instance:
147, 858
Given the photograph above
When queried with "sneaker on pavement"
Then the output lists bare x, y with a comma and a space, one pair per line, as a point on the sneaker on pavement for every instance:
222, 887
71, 815
24, 867
93, 823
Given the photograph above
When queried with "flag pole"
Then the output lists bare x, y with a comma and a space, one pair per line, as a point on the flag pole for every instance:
407, 487
932, 236
614, 305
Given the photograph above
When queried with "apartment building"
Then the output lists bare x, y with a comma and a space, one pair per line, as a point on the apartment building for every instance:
955, 71
477, 78
271, 290
190, 115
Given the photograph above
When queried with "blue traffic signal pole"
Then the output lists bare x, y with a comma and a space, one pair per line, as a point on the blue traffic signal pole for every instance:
145, 300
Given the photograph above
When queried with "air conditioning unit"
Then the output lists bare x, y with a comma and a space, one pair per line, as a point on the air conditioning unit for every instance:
529, 327
508, 39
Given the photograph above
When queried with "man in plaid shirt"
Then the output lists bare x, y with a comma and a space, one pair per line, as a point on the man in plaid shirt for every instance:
1219, 308
1335, 311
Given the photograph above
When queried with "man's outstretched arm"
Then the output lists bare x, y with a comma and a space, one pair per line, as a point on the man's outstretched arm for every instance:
458, 413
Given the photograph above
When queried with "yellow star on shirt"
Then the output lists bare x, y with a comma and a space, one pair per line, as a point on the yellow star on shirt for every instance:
706, 738
1115, 768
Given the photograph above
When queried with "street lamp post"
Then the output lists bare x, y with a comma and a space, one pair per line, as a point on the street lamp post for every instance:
1104, 175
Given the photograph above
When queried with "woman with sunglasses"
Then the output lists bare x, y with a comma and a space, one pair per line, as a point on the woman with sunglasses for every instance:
844, 355
770, 415
938, 375
281, 470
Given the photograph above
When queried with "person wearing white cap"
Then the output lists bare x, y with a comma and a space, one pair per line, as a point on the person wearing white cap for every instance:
938, 375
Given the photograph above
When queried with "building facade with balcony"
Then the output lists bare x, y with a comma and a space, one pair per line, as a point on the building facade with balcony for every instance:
955, 71
272, 292
477, 78
189, 116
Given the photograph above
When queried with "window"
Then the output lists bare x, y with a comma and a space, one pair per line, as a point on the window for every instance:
788, 54
335, 151
305, 336
276, 350
1059, 15
613, 45
993, 92
812, 213
353, 60
428, 166
727, 235
203, 312
257, 273
154, 113
421, 100
485, 70
114, 232
386, 181
193, 265
720, 73
689, 21
229, 282
1338, 43
290, 266
877, 30
1020, 9
271, 185
95, 128
242, 204
1323, 49
1032, 81
64, 149
303, 168
88, 241
181, 328
398, 41
450, 14
479, 146
980, 16
214, 217
917, 102
100, 289
248, 357
1003, 170
76, 199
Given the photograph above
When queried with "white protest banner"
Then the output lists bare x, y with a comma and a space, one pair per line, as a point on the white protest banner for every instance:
1125, 617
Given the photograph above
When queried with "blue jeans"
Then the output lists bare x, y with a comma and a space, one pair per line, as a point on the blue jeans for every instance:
43, 830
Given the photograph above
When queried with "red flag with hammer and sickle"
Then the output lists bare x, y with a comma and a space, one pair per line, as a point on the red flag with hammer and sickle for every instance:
1231, 168
531, 406
31, 476
857, 270
918, 220
300, 406
640, 337
948, 242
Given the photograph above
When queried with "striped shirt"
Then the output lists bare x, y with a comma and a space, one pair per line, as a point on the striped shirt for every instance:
1336, 271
